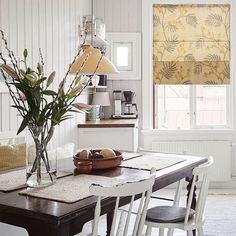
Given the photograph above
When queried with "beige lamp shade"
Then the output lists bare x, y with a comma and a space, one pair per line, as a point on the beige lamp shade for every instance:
87, 63
101, 98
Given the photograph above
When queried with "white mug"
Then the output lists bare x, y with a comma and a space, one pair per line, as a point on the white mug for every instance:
95, 80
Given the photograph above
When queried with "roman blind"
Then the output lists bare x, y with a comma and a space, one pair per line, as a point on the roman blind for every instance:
191, 44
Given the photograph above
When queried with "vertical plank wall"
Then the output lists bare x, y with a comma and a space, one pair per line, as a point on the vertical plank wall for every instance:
122, 16
51, 25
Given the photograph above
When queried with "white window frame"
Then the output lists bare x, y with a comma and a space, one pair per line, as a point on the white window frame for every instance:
147, 70
192, 111
133, 71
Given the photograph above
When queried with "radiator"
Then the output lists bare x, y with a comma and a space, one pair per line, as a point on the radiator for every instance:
220, 150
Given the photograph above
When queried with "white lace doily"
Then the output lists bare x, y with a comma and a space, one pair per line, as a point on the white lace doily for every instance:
71, 189
157, 160
16, 179
12, 180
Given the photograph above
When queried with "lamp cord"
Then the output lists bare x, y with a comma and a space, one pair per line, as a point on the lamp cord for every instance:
92, 22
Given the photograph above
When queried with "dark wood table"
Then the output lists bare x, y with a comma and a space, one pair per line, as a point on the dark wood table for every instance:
42, 217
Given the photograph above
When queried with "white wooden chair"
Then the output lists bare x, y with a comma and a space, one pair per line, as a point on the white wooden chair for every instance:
178, 191
143, 187
184, 218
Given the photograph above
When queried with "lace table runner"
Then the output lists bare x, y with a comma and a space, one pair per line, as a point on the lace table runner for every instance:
72, 188
14, 180
157, 160
129, 155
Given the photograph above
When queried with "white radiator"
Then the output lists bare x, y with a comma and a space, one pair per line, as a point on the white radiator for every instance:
220, 150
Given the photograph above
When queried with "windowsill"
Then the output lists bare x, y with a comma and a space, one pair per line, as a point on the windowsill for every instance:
188, 132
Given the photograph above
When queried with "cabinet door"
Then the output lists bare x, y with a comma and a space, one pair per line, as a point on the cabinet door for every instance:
115, 138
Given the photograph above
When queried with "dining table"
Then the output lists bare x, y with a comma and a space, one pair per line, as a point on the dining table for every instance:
44, 217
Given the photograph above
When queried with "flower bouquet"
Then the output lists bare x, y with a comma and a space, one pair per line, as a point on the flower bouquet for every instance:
40, 107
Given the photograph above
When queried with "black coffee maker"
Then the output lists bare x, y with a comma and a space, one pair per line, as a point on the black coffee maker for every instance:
130, 108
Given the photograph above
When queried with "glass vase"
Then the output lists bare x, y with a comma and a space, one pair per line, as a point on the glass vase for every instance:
41, 159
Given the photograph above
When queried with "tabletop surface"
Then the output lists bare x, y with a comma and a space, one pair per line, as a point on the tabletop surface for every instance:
55, 211
109, 123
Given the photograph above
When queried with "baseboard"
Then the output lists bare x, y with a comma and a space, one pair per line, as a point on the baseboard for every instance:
223, 185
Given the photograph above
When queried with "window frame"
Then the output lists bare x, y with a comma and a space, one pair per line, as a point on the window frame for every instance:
148, 103
133, 72
193, 111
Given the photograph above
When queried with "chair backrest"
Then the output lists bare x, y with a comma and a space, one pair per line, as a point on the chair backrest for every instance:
143, 187
199, 173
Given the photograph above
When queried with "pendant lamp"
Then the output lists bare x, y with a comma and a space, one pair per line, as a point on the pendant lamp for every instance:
91, 61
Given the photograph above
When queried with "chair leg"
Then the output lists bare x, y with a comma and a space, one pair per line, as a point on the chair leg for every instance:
189, 233
170, 232
92, 223
200, 231
121, 224
148, 231
161, 232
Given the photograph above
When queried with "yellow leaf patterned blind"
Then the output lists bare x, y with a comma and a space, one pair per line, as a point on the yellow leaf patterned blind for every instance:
191, 44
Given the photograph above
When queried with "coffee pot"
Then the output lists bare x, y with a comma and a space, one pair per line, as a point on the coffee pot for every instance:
130, 109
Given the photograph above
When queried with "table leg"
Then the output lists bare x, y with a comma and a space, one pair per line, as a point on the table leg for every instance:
109, 221
194, 201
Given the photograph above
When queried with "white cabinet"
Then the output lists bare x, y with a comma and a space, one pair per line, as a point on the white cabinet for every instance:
115, 134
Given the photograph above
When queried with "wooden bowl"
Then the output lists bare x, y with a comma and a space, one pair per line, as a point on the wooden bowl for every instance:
85, 167
101, 163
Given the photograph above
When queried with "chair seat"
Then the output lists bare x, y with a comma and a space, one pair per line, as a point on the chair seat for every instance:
168, 214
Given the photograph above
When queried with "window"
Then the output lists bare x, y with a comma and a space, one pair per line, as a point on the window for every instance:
191, 106
172, 108
191, 65
211, 104
122, 56
124, 49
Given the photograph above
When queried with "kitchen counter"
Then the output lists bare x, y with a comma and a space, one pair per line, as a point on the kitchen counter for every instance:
118, 134
109, 123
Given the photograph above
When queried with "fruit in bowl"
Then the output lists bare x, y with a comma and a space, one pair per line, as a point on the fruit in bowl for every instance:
96, 155
85, 154
108, 153
100, 158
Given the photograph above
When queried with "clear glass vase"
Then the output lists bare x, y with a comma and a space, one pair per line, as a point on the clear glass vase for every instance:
41, 159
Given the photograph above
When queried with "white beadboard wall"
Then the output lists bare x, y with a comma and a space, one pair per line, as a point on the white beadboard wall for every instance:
121, 16
51, 25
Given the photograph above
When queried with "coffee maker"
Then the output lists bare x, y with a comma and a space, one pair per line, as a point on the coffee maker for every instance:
124, 109
130, 108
